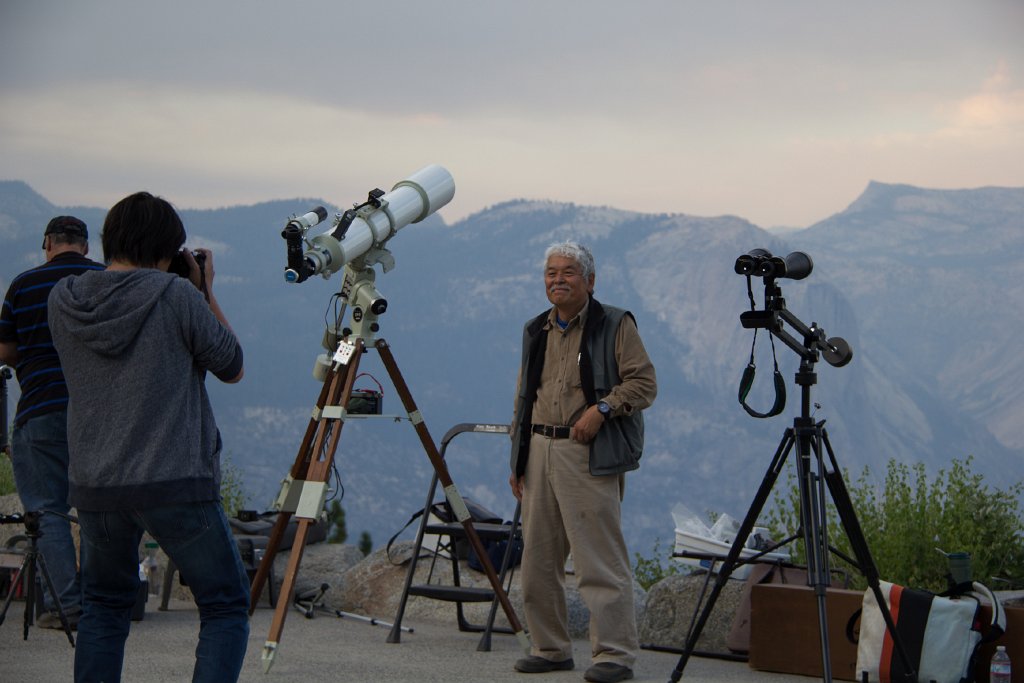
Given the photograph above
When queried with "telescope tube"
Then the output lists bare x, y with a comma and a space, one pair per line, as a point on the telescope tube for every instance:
410, 201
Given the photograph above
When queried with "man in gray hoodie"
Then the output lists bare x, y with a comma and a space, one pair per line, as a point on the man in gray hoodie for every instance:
136, 343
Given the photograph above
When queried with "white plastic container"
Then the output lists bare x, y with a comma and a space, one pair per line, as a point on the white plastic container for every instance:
688, 542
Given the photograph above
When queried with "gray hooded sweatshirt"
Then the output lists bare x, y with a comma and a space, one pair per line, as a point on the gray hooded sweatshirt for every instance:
135, 347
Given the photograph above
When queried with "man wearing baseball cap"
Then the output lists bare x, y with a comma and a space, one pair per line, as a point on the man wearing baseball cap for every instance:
39, 447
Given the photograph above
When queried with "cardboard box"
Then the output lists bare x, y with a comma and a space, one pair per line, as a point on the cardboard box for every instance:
784, 632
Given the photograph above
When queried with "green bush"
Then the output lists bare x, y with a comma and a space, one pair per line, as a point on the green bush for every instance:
365, 543
908, 519
6, 475
232, 495
338, 529
650, 570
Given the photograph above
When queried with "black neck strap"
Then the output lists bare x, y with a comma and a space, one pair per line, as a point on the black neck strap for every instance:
747, 381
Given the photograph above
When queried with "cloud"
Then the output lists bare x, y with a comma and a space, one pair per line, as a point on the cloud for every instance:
997, 105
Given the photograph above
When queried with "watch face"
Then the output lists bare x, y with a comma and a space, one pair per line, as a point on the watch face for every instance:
604, 408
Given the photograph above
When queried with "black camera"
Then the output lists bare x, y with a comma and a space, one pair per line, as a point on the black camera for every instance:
179, 264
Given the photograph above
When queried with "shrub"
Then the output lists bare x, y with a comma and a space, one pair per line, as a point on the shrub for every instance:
650, 570
6, 475
338, 529
365, 543
232, 495
906, 521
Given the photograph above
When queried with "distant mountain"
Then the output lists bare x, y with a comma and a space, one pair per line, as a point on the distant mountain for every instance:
921, 283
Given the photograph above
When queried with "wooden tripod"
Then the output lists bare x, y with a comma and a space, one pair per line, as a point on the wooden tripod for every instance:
305, 490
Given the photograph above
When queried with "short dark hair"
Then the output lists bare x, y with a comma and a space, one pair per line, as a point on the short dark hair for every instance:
142, 230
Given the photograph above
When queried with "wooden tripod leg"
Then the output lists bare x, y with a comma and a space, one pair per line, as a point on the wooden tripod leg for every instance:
298, 469
451, 492
315, 462
285, 595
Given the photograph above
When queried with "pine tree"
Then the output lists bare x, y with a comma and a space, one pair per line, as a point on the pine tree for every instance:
337, 531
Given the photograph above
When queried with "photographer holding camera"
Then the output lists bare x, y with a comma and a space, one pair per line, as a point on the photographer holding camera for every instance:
136, 343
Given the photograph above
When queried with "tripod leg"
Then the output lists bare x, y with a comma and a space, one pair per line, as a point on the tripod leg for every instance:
10, 594
277, 533
781, 453
450, 490
56, 598
306, 500
859, 545
287, 589
815, 528
30, 592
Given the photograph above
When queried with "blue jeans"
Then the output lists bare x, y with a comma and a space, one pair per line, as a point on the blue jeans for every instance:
197, 538
39, 458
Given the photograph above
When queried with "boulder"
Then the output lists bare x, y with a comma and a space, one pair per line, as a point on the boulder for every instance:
374, 588
672, 604
10, 505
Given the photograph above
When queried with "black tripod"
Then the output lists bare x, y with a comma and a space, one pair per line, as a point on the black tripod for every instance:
814, 472
32, 563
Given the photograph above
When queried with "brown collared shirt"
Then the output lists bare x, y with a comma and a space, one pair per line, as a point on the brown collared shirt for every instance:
560, 399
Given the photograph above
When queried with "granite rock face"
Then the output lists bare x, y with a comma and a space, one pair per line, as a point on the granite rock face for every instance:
674, 601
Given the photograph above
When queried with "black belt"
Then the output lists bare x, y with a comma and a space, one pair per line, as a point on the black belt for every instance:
560, 432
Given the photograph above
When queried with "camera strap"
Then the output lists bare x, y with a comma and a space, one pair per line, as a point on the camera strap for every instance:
202, 284
747, 381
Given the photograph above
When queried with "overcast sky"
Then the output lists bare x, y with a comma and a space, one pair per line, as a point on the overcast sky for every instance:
780, 112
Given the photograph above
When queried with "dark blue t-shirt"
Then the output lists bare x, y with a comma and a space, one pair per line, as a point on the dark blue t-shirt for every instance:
23, 320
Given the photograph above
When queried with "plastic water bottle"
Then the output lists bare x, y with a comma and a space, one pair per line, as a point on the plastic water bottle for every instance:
999, 671
152, 567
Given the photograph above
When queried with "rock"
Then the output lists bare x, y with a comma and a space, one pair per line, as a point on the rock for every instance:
321, 563
10, 505
374, 588
671, 605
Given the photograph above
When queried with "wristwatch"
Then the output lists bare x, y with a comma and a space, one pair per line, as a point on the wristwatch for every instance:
605, 409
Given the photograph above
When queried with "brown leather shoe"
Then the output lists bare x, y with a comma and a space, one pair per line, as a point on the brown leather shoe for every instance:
539, 665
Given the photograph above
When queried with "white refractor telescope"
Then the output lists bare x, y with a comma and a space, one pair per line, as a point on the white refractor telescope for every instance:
361, 232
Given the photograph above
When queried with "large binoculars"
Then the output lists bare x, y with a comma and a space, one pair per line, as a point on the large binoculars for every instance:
761, 263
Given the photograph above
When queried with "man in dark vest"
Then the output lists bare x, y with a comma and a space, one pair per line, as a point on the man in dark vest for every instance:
39, 453
584, 379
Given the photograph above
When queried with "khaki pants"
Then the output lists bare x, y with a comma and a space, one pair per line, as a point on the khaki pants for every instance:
566, 508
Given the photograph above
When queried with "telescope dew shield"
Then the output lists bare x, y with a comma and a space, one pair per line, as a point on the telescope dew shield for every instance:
410, 201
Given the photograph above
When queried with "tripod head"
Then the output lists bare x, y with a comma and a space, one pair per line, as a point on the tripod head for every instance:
29, 519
